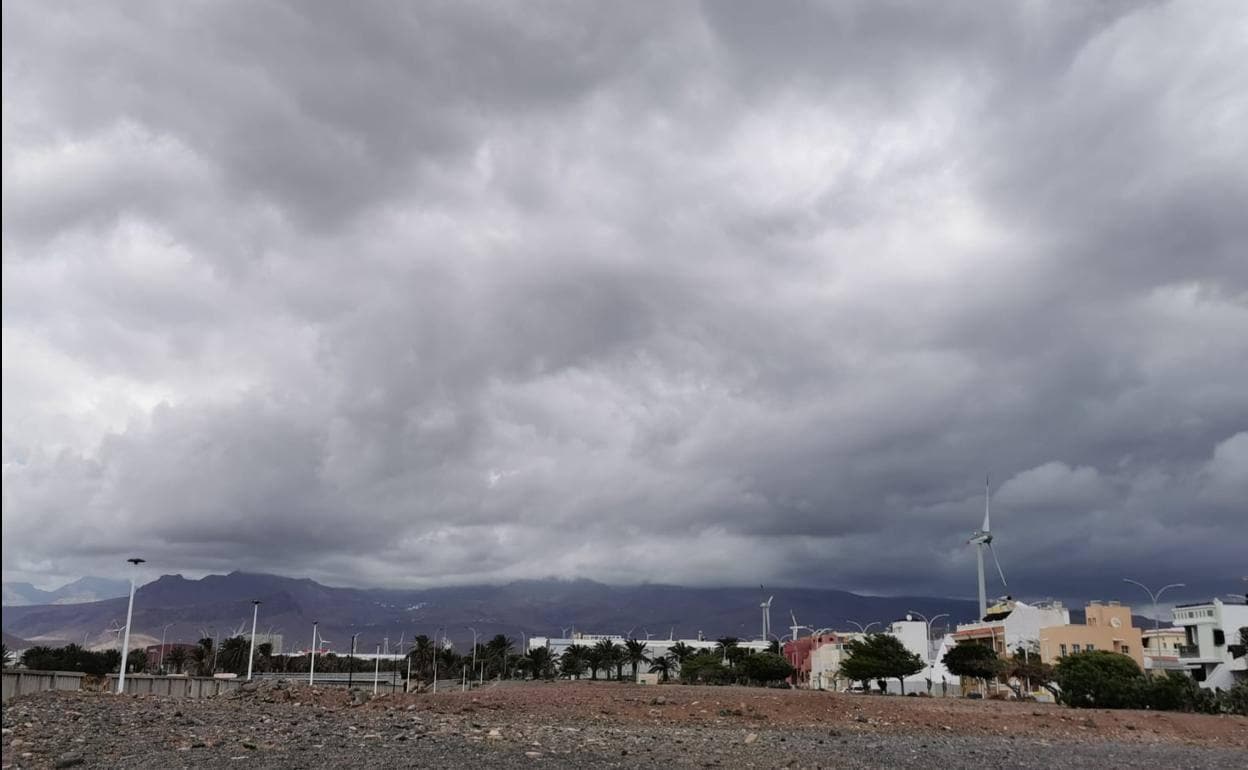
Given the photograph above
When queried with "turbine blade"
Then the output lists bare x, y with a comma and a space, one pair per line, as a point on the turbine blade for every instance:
998, 563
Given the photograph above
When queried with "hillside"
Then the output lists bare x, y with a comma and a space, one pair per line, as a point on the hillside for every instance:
222, 604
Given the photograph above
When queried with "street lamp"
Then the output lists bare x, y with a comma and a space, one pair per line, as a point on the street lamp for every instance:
312, 654
861, 628
351, 662
125, 644
931, 660
376, 669
1154, 597
251, 655
161, 663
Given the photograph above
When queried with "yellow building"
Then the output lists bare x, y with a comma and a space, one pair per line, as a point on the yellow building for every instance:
1106, 627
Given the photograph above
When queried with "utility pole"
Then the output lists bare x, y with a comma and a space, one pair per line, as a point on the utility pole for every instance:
125, 645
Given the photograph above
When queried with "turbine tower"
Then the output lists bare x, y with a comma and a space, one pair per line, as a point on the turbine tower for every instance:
766, 608
981, 540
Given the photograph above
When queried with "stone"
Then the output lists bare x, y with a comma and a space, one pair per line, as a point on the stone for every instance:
69, 760
751, 738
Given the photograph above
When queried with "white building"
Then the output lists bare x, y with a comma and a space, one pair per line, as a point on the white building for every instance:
1161, 649
1011, 624
1212, 653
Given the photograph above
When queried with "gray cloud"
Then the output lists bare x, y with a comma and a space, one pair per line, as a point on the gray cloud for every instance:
702, 293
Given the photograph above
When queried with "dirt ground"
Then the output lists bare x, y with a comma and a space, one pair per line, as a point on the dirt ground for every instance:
597, 724
744, 706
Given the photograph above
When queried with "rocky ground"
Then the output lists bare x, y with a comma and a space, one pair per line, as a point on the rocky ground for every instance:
598, 725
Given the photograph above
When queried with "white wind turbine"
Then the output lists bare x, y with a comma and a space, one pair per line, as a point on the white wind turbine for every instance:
981, 540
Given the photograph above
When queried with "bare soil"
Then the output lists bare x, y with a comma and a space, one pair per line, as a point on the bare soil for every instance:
598, 724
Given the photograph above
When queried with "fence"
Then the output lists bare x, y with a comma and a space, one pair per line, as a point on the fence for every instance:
25, 682
174, 686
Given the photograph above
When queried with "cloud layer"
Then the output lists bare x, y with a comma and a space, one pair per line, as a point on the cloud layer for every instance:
398, 294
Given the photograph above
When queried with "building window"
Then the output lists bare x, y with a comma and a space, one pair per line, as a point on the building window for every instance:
1091, 647
1075, 647
1063, 653
1126, 650
1219, 637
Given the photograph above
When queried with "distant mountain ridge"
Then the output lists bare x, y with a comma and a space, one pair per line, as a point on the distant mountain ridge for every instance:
221, 605
82, 590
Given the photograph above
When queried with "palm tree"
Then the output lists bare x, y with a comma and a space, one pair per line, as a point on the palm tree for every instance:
727, 647
680, 652
202, 655
605, 653
422, 656
595, 660
663, 665
233, 654
635, 653
176, 658
498, 651
574, 660
539, 662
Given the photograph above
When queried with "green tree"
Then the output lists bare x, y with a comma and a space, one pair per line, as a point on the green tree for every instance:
176, 658
1174, 691
680, 652
1099, 679
422, 657
1026, 668
663, 665
609, 656
975, 661
573, 661
136, 661
233, 655
765, 668
594, 660
880, 656
706, 668
729, 648
498, 654
635, 654
540, 663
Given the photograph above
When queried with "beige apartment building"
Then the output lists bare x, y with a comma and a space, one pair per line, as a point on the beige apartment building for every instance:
1107, 626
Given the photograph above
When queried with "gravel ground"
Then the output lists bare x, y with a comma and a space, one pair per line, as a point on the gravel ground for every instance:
586, 725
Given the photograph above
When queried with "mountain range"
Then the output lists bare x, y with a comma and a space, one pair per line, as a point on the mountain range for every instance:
187, 609
87, 589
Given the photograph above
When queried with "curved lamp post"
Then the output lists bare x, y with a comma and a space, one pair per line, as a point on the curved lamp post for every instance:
1154, 597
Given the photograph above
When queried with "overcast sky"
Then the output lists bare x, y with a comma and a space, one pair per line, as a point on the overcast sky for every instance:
728, 293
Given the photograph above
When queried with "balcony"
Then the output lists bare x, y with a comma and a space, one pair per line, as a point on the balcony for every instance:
1189, 651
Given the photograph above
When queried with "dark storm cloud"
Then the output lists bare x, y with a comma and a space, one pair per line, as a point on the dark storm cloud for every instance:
702, 293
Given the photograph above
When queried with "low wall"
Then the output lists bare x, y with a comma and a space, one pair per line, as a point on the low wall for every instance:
22, 682
174, 686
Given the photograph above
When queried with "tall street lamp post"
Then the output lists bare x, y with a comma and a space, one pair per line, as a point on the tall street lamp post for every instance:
861, 628
125, 644
251, 655
1154, 597
161, 663
312, 653
931, 660
351, 662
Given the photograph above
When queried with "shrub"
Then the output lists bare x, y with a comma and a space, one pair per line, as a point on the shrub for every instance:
765, 668
1099, 679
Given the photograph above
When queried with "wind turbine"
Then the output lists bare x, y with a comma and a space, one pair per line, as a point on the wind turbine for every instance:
766, 608
981, 540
